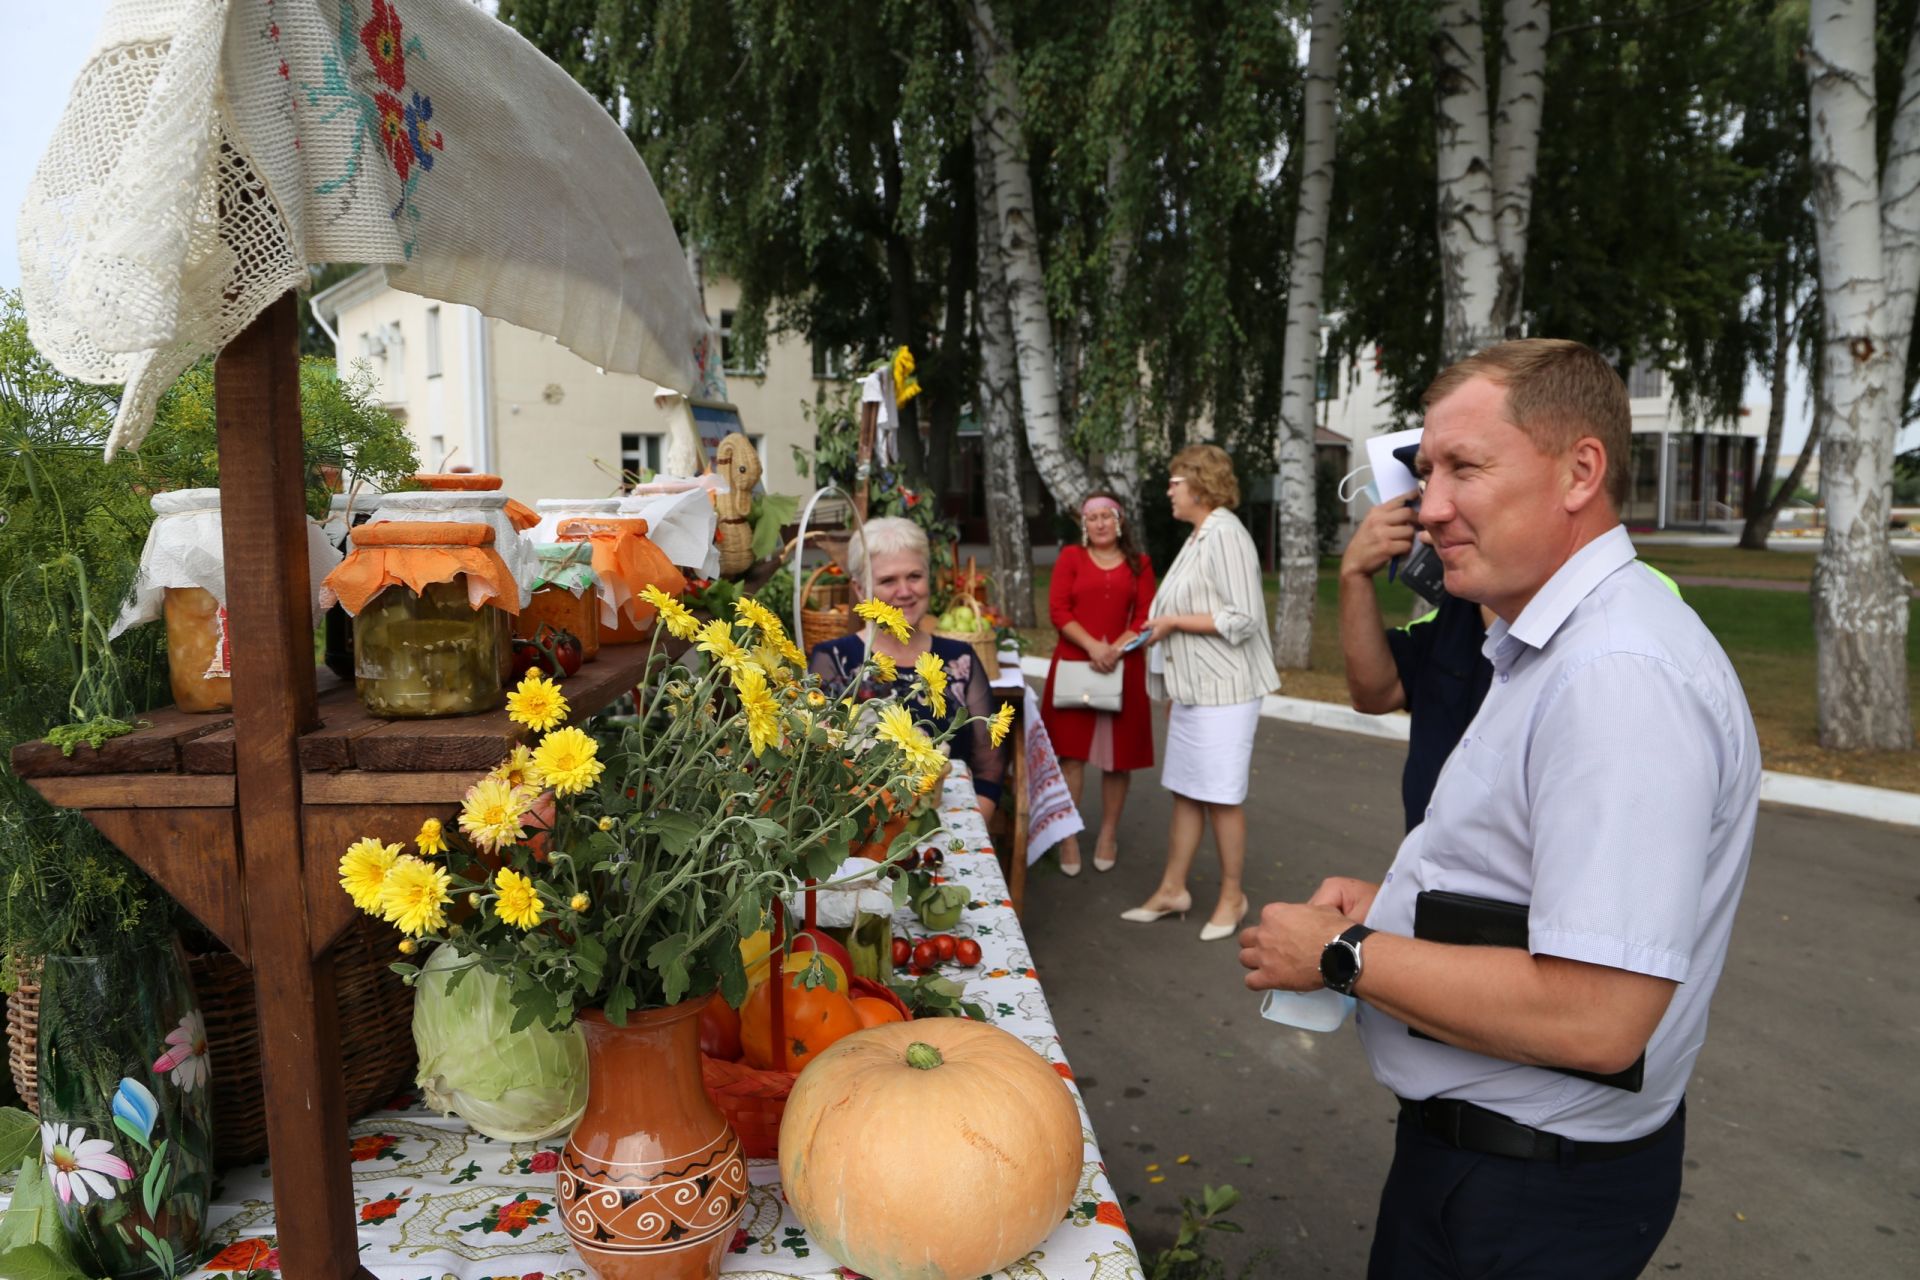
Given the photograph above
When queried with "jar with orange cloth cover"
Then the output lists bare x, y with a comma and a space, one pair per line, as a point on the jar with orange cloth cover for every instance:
565, 596
625, 563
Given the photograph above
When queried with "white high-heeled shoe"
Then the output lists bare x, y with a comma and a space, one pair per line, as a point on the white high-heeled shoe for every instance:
1211, 932
1147, 915
1106, 864
1070, 871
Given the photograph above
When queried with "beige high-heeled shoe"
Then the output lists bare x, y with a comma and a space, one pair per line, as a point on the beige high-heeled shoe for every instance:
1106, 864
1211, 932
1147, 915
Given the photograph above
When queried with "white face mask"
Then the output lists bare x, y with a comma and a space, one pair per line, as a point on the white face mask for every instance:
1348, 494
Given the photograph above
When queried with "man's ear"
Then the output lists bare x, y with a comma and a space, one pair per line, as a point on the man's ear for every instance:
1586, 474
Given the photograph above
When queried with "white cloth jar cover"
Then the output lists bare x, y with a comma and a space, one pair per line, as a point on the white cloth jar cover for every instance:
484, 506
554, 510
184, 550
681, 525
211, 149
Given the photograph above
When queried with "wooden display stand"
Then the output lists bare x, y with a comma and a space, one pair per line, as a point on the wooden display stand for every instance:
243, 819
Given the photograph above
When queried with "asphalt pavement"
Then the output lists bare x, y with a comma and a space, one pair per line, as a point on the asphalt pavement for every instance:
1803, 1144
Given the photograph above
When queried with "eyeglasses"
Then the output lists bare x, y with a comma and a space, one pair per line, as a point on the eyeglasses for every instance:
1176, 479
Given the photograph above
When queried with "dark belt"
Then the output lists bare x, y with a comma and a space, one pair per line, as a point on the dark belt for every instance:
1470, 1128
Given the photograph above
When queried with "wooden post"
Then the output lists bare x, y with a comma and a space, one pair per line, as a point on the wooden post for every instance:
863, 468
270, 625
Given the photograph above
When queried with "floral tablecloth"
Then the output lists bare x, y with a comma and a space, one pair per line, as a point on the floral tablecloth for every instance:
439, 1202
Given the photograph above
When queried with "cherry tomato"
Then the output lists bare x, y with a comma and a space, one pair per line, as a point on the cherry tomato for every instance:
925, 954
932, 858
902, 952
967, 952
943, 944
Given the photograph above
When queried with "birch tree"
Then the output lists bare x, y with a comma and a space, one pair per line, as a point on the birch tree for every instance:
997, 398
1867, 224
1299, 542
1485, 167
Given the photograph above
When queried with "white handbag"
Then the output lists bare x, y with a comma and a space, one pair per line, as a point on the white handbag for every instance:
1078, 687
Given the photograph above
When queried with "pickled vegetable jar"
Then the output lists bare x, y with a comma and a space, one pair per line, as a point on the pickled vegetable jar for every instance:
625, 563
197, 655
564, 597
427, 654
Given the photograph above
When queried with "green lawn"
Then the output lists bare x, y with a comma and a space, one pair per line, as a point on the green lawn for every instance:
1767, 634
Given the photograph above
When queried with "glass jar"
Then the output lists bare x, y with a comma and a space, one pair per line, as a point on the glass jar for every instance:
430, 654
579, 529
198, 659
565, 598
869, 944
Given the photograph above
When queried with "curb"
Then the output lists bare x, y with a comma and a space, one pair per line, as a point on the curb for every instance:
1782, 790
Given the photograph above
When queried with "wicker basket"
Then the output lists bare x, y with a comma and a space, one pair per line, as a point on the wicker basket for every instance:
753, 1100
986, 645
818, 626
376, 1036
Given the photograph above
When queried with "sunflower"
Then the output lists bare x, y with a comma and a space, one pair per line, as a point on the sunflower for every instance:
680, 623
518, 769
567, 761
929, 668
363, 871
883, 663
519, 903
716, 641
492, 812
432, 839
536, 703
415, 897
887, 616
1001, 723
762, 712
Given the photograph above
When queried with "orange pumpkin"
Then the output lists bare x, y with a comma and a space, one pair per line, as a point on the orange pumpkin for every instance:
943, 1093
814, 1017
873, 1011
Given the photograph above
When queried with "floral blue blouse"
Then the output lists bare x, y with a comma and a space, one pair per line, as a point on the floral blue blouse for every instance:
837, 662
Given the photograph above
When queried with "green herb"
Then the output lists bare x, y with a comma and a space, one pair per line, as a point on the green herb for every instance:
92, 732
932, 996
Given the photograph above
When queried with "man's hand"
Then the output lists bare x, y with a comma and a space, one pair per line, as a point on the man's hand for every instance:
1351, 898
1283, 950
1386, 532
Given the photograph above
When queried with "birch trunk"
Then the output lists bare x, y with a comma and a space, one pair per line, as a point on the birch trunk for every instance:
1769, 494
1859, 595
1123, 457
1299, 540
1469, 248
1516, 148
997, 401
1065, 475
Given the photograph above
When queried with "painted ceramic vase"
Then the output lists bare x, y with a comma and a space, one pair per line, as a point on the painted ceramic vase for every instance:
652, 1181
126, 1119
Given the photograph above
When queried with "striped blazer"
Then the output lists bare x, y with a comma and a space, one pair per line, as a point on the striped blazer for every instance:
1216, 573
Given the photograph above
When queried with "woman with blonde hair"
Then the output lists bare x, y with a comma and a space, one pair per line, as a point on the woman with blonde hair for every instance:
1212, 658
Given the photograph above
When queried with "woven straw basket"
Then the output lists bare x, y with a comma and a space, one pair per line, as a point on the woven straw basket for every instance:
376, 1036
818, 626
986, 646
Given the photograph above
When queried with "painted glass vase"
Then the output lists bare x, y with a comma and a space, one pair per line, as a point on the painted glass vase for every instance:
652, 1179
126, 1121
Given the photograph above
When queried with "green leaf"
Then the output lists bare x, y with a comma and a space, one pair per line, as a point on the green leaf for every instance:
619, 1004
37, 1262
676, 831
19, 1136
33, 1218
154, 1186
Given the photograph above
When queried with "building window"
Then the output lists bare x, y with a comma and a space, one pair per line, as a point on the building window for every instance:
437, 450
729, 354
1326, 384
830, 364
1645, 380
639, 455
433, 342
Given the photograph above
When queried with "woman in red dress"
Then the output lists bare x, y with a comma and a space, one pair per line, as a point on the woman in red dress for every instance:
1101, 592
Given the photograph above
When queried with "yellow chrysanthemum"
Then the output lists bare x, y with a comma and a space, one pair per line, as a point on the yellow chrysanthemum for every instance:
897, 727
926, 782
567, 760
518, 769
762, 712
883, 663
931, 669
815, 698
1001, 724
679, 622
415, 897
605, 824
757, 615
432, 838
492, 814
772, 662
536, 703
408, 946
717, 642
519, 901
580, 902
879, 611
363, 871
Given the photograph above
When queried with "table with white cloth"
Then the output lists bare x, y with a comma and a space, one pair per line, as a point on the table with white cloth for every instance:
437, 1201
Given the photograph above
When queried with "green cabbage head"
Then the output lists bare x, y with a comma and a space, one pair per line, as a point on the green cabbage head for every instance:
513, 1086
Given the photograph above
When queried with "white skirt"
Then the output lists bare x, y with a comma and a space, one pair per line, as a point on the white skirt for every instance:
1209, 750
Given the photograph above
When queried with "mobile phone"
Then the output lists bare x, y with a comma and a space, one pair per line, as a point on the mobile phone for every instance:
1137, 642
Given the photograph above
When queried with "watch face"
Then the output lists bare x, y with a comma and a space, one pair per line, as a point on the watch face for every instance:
1337, 966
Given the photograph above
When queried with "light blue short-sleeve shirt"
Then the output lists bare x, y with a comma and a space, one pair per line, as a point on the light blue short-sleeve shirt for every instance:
1610, 782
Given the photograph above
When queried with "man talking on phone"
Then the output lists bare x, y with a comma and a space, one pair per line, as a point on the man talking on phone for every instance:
1594, 825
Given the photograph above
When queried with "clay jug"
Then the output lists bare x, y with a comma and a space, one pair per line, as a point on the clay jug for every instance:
652, 1181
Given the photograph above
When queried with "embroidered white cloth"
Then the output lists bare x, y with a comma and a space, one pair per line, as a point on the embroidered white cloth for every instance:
212, 149
1052, 815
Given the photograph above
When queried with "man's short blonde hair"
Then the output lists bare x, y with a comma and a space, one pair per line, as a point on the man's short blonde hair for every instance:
1558, 392
886, 536
1208, 474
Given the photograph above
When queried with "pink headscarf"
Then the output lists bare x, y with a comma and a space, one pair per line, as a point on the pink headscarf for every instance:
1098, 503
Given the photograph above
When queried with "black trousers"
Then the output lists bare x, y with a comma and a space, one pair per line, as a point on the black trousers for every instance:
1459, 1215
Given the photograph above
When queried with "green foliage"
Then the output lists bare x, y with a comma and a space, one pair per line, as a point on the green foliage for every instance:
1188, 1257
33, 1245
93, 733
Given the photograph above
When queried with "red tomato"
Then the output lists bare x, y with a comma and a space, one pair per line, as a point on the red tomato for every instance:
967, 952
943, 944
720, 1029
902, 952
925, 954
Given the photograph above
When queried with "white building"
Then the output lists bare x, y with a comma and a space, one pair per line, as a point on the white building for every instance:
480, 393
1683, 473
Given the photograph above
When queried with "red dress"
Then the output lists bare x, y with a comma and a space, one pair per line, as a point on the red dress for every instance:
1108, 603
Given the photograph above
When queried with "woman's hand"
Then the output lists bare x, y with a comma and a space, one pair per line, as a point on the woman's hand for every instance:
1104, 657
986, 808
1159, 629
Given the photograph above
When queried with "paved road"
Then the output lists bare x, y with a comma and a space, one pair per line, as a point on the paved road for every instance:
1804, 1114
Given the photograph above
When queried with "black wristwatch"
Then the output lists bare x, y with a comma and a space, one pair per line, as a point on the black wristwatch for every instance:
1340, 959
